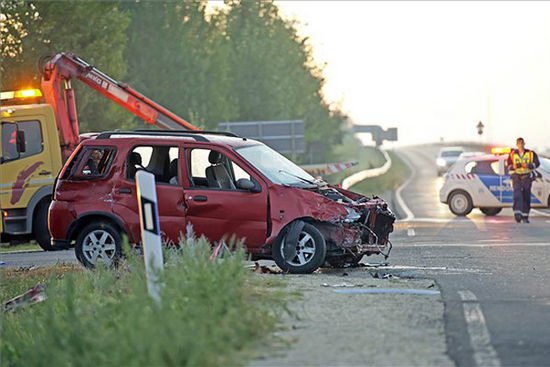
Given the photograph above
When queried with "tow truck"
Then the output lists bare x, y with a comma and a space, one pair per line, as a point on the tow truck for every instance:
39, 131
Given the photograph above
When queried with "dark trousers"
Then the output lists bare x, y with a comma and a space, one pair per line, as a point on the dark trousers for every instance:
522, 194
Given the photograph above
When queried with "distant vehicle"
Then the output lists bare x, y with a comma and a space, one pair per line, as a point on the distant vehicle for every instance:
484, 182
221, 184
470, 154
446, 158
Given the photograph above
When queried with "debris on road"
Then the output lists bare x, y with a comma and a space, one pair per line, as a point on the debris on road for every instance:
421, 292
263, 269
341, 285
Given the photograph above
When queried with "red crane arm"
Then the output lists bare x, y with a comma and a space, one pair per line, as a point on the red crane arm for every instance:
58, 92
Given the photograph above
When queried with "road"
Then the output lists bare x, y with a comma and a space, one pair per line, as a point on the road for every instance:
494, 273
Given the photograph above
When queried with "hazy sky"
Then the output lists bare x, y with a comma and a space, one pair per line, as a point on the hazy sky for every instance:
434, 69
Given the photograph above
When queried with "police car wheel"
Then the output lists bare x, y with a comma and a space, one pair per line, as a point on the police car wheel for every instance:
460, 203
490, 211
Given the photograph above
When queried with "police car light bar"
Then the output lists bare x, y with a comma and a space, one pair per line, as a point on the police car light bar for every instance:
501, 150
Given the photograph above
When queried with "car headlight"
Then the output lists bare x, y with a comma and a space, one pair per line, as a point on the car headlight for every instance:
352, 215
441, 162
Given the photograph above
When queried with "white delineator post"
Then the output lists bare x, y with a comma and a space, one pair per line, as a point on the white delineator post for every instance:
150, 231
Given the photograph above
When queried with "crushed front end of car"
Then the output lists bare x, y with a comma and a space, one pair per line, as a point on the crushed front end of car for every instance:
364, 230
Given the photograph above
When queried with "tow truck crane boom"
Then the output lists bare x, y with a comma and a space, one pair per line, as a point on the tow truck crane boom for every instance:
59, 93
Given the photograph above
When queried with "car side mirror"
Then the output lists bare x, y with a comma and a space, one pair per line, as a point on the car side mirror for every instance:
249, 185
20, 141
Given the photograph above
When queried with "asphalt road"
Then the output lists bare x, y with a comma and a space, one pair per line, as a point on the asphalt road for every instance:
494, 273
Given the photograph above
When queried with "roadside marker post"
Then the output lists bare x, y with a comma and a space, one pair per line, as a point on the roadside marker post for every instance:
150, 231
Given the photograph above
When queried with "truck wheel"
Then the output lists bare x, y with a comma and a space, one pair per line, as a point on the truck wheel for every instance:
98, 243
303, 257
490, 211
460, 203
40, 226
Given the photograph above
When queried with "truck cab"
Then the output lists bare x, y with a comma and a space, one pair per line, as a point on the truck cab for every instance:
30, 159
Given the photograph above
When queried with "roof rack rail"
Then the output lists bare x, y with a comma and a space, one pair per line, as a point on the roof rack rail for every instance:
209, 132
175, 133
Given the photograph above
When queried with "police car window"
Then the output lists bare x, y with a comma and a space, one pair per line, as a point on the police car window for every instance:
486, 168
545, 164
468, 167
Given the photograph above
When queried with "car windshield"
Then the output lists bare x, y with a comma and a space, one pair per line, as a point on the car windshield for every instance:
545, 164
275, 166
451, 153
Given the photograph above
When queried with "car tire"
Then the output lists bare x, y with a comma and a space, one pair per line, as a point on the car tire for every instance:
306, 256
100, 241
490, 212
40, 229
460, 203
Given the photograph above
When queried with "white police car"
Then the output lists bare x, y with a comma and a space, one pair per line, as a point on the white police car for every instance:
484, 182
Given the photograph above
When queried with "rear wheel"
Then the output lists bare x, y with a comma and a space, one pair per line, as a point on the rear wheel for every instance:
304, 256
460, 203
40, 226
98, 243
490, 211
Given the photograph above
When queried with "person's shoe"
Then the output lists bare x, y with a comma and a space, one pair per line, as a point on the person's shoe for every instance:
526, 220
518, 217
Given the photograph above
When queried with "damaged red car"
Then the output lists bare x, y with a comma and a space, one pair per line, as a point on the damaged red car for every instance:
221, 184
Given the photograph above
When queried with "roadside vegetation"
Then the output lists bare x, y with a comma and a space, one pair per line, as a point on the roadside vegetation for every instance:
352, 149
391, 180
211, 314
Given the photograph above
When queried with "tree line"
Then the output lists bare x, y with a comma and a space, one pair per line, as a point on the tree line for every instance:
242, 62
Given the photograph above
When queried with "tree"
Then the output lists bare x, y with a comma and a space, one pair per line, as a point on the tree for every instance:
178, 57
94, 30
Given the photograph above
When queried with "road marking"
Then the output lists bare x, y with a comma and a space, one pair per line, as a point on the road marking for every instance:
539, 212
408, 213
411, 232
484, 353
504, 244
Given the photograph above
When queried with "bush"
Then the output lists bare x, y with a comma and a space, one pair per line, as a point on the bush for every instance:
209, 314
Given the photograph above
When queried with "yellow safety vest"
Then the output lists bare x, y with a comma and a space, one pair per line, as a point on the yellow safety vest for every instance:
521, 163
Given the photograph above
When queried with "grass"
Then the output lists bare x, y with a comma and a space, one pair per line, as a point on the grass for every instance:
211, 314
391, 180
4, 248
353, 150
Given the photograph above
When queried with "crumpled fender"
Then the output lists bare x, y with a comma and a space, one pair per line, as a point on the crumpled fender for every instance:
289, 204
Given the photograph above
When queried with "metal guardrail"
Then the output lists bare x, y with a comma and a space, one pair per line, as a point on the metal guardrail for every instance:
368, 173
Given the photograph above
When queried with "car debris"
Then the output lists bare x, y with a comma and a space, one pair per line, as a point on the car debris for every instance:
32, 296
411, 291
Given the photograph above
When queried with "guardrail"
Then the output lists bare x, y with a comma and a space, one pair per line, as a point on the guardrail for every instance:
368, 173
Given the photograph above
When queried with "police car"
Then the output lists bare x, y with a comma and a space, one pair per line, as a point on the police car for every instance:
484, 182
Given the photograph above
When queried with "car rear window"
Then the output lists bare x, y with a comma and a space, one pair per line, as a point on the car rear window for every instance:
90, 163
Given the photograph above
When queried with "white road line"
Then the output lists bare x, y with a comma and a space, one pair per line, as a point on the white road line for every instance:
541, 213
411, 232
408, 213
503, 244
484, 353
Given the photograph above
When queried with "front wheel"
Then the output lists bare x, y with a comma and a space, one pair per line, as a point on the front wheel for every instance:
460, 203
490, 211
98, 243
304, 256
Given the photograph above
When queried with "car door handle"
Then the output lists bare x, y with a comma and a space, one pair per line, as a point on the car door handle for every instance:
201, 198
125, 190
44, 173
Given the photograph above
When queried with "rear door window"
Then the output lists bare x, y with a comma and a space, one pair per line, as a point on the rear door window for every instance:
160, 160
92, 162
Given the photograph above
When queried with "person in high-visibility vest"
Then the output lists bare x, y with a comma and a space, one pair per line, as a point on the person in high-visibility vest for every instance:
522, 163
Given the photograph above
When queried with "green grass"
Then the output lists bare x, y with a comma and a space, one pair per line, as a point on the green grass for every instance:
212, 314
19, 247
391, 180
353, 150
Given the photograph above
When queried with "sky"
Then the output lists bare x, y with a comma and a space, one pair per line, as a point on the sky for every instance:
435, 69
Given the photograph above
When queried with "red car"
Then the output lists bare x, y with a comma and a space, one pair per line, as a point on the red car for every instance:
221, 184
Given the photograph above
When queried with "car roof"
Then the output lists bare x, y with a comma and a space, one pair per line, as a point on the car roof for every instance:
144, 137
449, 149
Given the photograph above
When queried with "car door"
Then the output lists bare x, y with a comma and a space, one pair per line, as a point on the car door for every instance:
218, 213
156, 159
